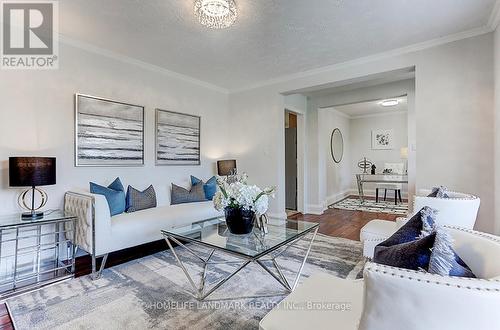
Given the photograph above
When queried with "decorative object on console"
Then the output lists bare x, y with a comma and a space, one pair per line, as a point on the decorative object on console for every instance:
108, 133
239, 200
209, 187
181, 195
382, 139
32, 172
365, 164
140, 200
177, 138
337, 145
373, 170
114, 193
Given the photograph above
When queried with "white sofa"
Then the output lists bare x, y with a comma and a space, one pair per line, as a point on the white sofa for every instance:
99, 234
390, 298
458, 210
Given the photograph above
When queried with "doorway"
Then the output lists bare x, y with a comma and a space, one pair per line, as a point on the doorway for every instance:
291, 180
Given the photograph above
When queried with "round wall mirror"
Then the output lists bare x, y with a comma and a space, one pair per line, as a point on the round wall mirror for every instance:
337, 145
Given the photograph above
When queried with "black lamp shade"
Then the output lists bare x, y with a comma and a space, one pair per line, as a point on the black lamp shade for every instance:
226, 167
32, 171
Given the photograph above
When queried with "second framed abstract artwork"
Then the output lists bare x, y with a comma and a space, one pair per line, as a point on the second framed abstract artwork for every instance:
177, 138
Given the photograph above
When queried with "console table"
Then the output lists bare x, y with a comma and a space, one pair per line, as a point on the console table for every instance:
34, 253
377, 178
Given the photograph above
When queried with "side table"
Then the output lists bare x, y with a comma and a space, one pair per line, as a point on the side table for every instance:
34, 253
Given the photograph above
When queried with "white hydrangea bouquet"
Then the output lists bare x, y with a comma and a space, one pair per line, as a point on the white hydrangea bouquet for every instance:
240, 201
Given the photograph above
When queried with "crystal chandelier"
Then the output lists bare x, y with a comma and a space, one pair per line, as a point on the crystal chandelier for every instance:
216, 14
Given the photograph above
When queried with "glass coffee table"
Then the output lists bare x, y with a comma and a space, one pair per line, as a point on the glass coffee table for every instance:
255, 247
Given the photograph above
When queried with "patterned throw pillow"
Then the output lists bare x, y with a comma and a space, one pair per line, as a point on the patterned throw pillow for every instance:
444, 260
209, 187
422, 245
114, 193
140, 200
439, 192
181, 195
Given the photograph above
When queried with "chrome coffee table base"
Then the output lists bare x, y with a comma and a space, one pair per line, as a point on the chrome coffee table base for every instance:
202, 291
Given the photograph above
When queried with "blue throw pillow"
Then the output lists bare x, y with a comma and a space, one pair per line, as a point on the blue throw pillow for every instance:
114, 196
209, 187
140, 200
413, 228
444, 260
413, 255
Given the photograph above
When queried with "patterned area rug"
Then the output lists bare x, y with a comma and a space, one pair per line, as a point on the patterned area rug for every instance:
354, 204
153, 292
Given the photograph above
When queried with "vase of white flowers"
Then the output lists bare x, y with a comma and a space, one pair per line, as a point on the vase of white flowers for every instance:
241, 202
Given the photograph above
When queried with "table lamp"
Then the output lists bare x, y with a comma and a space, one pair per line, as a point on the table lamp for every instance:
226, 167
404, 156
32, 172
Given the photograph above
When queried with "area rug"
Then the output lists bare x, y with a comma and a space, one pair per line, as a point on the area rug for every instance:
354, 204
153, 292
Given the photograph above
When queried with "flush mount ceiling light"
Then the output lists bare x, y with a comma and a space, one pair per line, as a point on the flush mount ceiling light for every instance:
216, 14
389, 103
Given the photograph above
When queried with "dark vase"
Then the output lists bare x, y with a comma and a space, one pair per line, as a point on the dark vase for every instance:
239, 221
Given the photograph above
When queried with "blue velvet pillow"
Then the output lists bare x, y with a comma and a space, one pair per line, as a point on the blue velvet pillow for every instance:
413, 228
209, 187
140, 200
114, 193
413, 255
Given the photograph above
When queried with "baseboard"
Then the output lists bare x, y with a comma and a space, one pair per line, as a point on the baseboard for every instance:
315, 209
373, 193
338, 197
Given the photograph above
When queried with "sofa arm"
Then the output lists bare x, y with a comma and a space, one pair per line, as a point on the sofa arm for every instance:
417, 300
93, 219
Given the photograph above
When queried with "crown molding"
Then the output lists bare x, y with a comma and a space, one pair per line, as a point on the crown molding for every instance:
143, 65
372, 58
495, 16
380, 114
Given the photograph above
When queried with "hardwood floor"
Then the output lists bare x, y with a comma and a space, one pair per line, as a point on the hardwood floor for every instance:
343, 223
337, 223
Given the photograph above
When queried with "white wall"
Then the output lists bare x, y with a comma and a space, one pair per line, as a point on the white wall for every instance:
37, 118
361, 139
338, 175
453, 114
497, 129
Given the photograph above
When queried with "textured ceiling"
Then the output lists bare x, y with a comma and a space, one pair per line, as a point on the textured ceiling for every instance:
372, 108
271, 38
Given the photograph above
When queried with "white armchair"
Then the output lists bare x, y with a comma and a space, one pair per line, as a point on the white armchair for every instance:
395, 298
458, 210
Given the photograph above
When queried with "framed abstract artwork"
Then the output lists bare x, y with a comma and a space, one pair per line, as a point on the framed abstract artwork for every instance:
383, 139
177, 138
108, 133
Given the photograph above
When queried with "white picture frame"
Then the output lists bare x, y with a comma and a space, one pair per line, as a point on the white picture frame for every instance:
382, 139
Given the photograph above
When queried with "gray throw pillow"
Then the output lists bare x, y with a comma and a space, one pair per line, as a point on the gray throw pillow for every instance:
181, 195
140, 200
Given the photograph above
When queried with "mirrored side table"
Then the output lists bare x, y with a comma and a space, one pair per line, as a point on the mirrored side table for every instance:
34, 253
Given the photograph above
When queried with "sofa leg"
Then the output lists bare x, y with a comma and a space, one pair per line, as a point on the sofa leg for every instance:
97, 274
